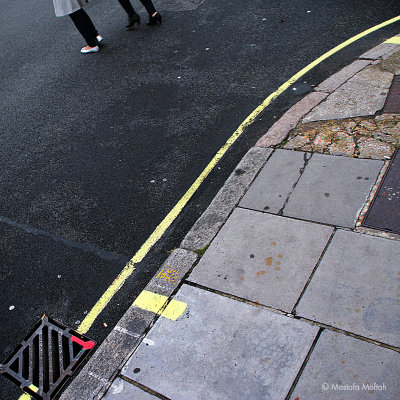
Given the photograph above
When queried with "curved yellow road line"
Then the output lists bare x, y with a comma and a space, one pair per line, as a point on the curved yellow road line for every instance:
173, 214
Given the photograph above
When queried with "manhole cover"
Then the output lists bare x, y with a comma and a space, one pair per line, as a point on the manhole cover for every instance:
392, 104
384, 212
46, 358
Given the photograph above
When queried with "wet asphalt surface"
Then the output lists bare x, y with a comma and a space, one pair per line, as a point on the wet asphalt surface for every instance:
96, 149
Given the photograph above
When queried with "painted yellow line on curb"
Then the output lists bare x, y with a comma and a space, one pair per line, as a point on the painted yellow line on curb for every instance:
394, 40
172, 215
155, 302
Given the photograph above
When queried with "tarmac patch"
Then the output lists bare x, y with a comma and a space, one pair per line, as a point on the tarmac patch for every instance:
392, 105
384, 213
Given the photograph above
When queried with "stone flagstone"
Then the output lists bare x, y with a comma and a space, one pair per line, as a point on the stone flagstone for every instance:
364, 94
221, 349
333, 190
262, 257
357, 287
345, 368
275, 182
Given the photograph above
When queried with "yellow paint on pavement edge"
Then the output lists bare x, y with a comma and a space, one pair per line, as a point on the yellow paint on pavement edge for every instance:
393, 40
172, 215
155, 303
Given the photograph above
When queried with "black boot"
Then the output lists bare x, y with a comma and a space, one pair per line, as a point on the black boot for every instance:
133, 20
153, 19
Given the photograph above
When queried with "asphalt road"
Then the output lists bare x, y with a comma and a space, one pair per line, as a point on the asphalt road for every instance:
96, 149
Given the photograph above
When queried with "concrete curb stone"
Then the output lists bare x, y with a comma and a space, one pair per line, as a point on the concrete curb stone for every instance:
334, 81
381, 51
281, 129
208, 225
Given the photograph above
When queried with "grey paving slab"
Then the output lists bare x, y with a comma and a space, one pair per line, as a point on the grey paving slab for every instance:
357, 287
262, 257
362, 95
333, 189
222, 349
341, 367
122, 390
275, 182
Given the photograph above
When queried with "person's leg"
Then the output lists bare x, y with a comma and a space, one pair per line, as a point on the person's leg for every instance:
133, 16
149, 6
127, 6
85, 26
154, 16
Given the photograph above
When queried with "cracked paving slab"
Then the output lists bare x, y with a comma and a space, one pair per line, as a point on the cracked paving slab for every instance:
333, 190
272, 187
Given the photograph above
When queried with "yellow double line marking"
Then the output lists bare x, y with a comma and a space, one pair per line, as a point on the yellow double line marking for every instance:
172, 215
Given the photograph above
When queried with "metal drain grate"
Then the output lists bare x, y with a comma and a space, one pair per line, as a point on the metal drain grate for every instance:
392, 104
46, 358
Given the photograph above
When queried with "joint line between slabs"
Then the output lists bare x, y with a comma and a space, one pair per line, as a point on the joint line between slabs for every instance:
240, 299
314, 270
303, 366
348, 333
143, 387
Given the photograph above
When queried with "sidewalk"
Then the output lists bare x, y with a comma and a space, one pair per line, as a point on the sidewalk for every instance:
278, 292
